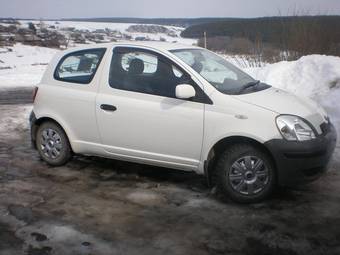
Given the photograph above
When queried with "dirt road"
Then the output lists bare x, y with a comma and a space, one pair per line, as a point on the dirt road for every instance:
16, 96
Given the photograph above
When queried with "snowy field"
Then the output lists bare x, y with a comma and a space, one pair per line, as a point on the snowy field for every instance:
121, 27
22, 65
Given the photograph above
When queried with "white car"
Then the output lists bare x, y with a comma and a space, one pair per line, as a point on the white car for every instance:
180, 107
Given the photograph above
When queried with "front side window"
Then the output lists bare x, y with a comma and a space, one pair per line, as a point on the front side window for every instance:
145, 72
79, 67
224, 76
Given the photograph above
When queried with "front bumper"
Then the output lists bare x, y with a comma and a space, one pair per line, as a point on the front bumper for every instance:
301, 162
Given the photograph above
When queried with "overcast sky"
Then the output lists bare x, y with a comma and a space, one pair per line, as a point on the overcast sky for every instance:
163, 9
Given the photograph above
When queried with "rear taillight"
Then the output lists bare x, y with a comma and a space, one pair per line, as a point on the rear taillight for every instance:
35, 92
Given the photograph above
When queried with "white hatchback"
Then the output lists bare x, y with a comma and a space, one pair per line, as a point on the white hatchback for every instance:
180, 107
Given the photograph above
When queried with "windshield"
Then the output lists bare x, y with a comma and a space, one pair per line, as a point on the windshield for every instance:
224, 76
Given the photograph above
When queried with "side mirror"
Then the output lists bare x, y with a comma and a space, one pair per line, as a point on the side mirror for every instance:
185, 91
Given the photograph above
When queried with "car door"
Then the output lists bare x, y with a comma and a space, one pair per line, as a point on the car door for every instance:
68, 92
138, 115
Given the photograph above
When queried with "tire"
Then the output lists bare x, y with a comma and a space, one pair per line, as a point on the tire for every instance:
245, 174
52, 144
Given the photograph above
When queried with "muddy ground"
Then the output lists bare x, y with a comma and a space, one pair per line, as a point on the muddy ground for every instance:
99, 206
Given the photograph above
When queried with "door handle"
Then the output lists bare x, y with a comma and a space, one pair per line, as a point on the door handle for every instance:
108, 107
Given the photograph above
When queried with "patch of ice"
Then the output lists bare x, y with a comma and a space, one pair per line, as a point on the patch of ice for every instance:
64, 239
199, 202
145, 197
14, 118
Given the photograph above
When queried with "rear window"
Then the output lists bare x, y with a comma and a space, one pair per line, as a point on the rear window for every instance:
80, 66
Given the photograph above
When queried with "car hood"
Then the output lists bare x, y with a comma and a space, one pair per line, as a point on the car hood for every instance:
282, 102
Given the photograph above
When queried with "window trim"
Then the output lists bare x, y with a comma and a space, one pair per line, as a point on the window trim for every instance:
203, 98
56, 76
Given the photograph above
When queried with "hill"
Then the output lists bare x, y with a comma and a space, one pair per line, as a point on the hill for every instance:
284, 37
268, 27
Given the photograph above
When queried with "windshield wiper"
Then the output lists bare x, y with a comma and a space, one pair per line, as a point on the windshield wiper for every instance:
249, 85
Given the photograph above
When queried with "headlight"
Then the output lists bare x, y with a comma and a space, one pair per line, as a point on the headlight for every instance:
294, 128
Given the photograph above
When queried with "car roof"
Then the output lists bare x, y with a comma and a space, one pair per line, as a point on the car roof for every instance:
163, 46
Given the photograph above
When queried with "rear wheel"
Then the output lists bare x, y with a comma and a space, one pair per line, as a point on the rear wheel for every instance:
245, 174
52, 144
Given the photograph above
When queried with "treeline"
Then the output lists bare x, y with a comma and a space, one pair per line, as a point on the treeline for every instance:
274, 37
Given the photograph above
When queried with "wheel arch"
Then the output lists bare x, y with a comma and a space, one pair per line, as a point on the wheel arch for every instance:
37, 122
216, 150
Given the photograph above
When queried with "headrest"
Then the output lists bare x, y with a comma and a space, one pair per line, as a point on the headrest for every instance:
136, 66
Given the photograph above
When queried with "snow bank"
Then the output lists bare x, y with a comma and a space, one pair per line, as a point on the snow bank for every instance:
23, 65
313, 76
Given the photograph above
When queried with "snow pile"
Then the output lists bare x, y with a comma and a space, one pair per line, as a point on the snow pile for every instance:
23, 65
312, 76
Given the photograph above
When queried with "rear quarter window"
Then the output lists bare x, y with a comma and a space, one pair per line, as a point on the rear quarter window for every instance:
79, 66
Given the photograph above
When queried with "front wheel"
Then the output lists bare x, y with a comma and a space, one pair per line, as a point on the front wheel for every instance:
52, 144
245, 174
